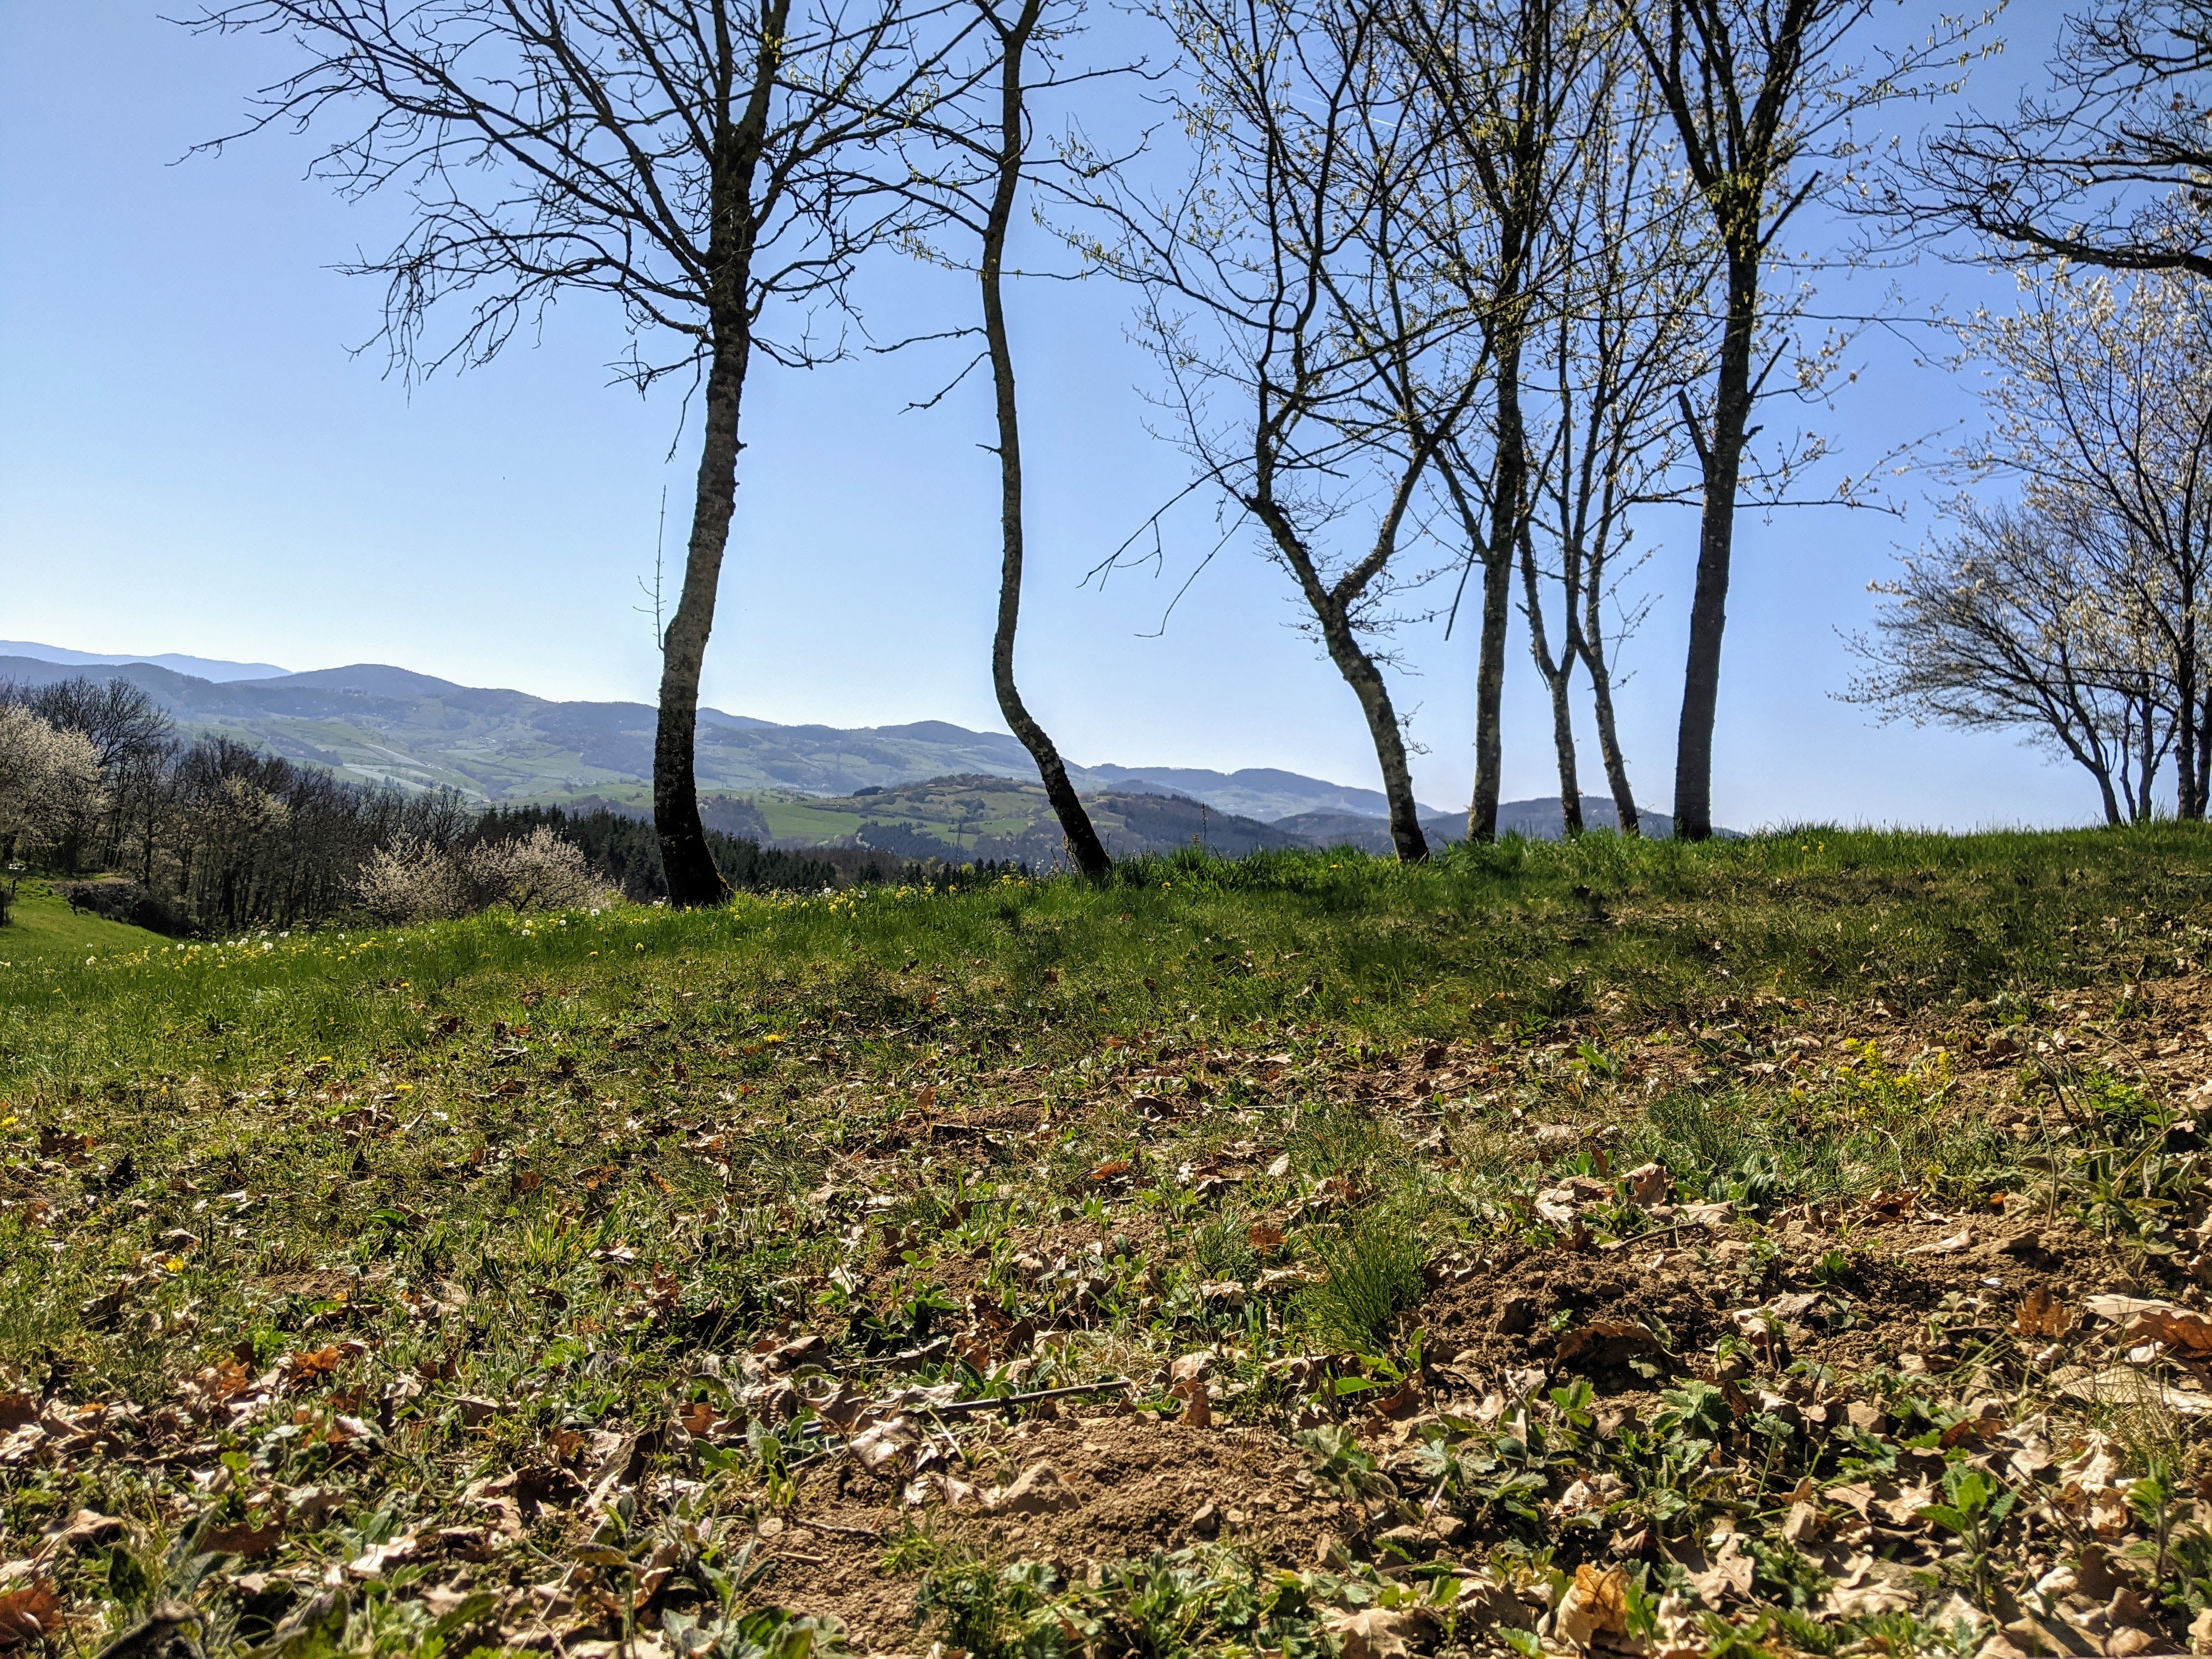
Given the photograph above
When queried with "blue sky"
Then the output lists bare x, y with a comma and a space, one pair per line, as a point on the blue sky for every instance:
192, 459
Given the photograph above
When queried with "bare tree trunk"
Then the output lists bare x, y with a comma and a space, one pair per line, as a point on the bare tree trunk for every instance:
1081, 836
1608, 745
2189, 780
1358, 669
1508, 511
2203, 751
693, 878
1558, 675
1366, 681
1590, 645
1720, 452
2149, 763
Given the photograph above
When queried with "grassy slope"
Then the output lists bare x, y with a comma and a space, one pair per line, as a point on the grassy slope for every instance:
43, 933
629, 1134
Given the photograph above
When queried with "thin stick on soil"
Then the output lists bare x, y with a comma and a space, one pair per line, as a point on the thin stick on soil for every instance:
1007, 1402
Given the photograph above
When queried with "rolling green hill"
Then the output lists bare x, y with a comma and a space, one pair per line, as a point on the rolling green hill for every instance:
43, 930
389, 725
929, 789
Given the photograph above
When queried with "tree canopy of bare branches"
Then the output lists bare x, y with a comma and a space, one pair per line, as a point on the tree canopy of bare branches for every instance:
1760, 94
2105, 167
1307, 352
1504, 83
1624, 342
2100, 413
2013, 622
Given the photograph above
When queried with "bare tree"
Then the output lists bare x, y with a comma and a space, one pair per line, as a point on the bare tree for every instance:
717, 168
1503, 80
2014, 622
981, 199
1758, 91
1625, 338
1296, 321
2105, 168
2101, 413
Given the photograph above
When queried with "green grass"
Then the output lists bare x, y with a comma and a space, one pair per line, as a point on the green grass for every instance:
790, 820
1379, 952
43, 934
547, 1163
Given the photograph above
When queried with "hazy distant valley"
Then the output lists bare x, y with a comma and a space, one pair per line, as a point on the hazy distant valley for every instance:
927, 789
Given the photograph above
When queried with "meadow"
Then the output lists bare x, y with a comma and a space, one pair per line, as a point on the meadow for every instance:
1789, 1244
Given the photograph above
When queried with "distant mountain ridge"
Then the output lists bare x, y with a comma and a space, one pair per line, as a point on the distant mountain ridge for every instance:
792, 785
385, 724
207, 668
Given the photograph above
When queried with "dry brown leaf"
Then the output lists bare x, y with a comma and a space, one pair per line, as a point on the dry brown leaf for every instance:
1596, 1604
1197, 1410
1264, 1236
240, 1541
2183, 1329
2125, 1385
1377, 1632
2042, 1314
372, 1562
1647, 1184
86, 1526
307, 1366
1948, 1246
1606, 1342
28, 1614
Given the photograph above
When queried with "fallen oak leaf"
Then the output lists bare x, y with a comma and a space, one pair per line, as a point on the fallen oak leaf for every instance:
86, 1527
2181, 1328
1596, 1604
240, 1541
2042, 1314
1648, 1184
372, 1562
28, 1614
1378, 1633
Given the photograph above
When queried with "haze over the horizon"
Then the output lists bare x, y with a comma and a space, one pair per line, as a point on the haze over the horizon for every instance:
199, 465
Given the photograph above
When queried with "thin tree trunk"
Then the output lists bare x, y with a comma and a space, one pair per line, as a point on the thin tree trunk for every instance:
1590, 645
2203, 751
1081, 836
1557, 676
1367, 684
2184, 712
1508, 476
1721, 453
1608, 746
685, 860
1358, 669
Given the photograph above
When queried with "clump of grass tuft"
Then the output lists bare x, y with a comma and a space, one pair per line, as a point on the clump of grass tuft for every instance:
983, 1609
1223, 1248
1374, 1262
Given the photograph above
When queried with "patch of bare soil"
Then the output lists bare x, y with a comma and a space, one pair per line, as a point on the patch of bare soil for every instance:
1846, 1293
1071, 1491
